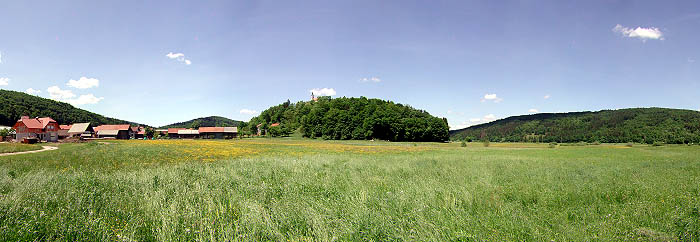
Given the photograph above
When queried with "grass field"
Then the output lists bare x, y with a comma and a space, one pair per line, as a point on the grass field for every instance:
306, 190
15, 147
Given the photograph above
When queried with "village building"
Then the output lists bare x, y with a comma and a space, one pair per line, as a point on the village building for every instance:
218, 132
39, 129
116, 131
63, 131
137, 132
172, 133
188, 134
81, 130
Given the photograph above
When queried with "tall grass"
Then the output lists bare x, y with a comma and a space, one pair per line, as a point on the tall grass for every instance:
125, 191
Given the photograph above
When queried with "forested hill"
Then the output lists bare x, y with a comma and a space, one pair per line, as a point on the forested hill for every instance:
353, 118
641, 125
13, 105
212, 121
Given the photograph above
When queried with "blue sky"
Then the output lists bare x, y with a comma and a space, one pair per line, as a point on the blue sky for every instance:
159, 62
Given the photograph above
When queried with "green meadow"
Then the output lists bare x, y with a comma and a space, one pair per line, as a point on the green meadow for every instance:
313, 190
15, 147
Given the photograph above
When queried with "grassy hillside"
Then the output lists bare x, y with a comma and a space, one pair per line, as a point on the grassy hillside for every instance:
15, 104
213, 121
353, 118
641, 125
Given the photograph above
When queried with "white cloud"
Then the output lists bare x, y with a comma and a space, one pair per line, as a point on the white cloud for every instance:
248, 111
85, 99
489, 118
32, 91
84, 83
56, 93
370, 79
4, 81
532, 110
691, 60
547, 96
179, 57
491, 97
640, 33
323, 91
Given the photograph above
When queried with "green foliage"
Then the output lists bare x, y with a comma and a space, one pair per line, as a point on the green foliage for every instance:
212, 121
486, 143
14, 105
637, 125
354, 119
553, 145
4, 132
150, 132
658, 144
463, 144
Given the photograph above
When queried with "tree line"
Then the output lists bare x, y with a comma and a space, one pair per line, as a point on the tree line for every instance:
351, 119
639, 125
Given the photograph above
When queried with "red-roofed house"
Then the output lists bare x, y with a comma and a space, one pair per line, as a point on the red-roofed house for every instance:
117, 131
44, 129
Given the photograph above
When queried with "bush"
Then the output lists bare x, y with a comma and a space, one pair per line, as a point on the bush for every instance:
487, 143
629, 145
657, 143
463, 144
596, 142
553, 145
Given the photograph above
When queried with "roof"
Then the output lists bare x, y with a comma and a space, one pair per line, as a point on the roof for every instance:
31, 123
65, 126
230, 129
161, 130
143, 131
211, 129
187, 131
113, 127
136, 128
174, 130
108, 132
275, 124
45, 121
79, 128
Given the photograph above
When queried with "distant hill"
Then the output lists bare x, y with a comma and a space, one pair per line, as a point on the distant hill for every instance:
16, 104
352, 118
212, 121
641, 125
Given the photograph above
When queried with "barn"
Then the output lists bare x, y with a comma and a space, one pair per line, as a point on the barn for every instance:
218, 132
82, 130
116, 131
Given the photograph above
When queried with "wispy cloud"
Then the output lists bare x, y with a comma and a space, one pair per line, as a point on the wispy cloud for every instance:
691, 60
491, 97
4, 81
547, 96
370, 79
248, 111
84, 83
532, 110
323, 91
57, 93
179, 57
641, 33
32, 91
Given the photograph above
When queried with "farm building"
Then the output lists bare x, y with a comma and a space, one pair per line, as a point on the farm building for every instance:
218, 132
188, 134
137, 132
82, 130
42, 129
117, 131
63, 131
172, 133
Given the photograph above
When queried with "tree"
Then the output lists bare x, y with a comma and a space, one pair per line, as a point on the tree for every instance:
150, 132
195, 125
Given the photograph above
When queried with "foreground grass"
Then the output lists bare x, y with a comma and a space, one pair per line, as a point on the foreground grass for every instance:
315, 190
15, 147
